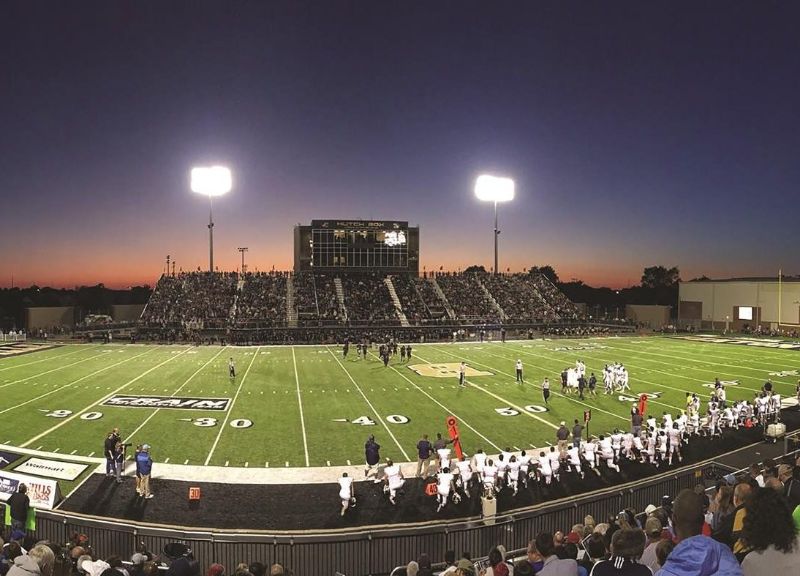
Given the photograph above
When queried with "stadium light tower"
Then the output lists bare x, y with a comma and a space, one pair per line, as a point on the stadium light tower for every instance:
211, 181
494, 189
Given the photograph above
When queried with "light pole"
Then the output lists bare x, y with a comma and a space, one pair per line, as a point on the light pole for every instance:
494, 189
211, 181
243, 250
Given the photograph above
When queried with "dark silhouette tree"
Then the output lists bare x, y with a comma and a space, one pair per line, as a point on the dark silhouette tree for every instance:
547, 271
660, 277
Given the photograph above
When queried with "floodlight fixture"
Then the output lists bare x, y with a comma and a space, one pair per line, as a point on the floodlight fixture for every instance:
211, 181
494, 189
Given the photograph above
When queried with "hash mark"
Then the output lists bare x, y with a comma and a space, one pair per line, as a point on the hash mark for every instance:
348, 462
287, 464
166, 461
39, 448
247, 464
56, 449
266, 465
328, 462
226, 462
91, 454
185, 462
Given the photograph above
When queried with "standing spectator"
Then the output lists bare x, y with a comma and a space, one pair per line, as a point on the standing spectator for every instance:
108, 449
770, 535
19, 504
577, 432
553, 566
636, 421
372, 455
562, 435
627, 546
144, 467
424, 451
696, 554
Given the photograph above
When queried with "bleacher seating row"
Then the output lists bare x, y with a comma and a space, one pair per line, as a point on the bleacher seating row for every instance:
199, 300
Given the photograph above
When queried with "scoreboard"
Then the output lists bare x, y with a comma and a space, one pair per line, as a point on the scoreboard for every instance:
341, 245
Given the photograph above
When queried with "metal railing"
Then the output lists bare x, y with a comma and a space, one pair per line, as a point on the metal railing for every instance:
370, 550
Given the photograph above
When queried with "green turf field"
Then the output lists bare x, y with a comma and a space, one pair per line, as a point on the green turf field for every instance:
306, 405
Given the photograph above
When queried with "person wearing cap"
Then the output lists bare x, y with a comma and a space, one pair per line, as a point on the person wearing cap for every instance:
652, 529
562, 435
465, 568
144, 467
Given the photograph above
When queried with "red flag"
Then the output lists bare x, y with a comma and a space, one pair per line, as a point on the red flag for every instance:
452, 430
642, 404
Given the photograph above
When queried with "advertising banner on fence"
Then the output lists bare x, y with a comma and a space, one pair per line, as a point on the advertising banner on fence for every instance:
51, 468
44, 494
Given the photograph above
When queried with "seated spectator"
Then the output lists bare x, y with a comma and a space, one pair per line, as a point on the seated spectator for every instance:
217, 570
770, 536
412, 569
627, 546
553, 565
38, 562
695, 554
663, 549
652, 529
497, 565
595, 550
425, 565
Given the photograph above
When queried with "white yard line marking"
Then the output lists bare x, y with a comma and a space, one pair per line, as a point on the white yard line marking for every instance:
378, 416
445, 408
54, 357
300, 404
54, 390
189, 379
493, 395
103, 399
230, 408
73, 452
51, 370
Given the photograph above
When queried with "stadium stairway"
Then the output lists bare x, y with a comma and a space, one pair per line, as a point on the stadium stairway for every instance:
450, 312
337, 282
291, 312
397, 305
495, 305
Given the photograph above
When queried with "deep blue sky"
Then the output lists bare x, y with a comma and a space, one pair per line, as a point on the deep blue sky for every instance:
638, 133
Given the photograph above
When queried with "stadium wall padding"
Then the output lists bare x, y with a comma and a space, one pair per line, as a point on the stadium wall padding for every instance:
126, 312
373, 552
719, 299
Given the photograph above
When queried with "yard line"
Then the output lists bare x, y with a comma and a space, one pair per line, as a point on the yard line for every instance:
103, 399
230, 409
51, 370
446, 409
189, 379
55, 357
369, 404
53, 391
300, 403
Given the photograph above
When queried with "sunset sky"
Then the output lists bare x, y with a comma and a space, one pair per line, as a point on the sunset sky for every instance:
638, 133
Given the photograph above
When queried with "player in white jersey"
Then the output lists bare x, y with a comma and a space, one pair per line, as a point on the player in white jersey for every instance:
489, 478
661, 447
616, 443
762, 401
574, 459
555, 462
693, 424
463, 471
589, 449
607, 452
627, 446
650, 449
545, 471
444, 485
666, 420
775, 407
638, 446
478, 461
524, 467
674, 435
346, 492
513, 473
444, 458
608, 380
622, 379
580, 368
502, 469
727, 420
394, 480
712, 420
651, 423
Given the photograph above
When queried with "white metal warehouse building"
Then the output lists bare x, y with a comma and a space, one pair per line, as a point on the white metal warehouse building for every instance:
740, 302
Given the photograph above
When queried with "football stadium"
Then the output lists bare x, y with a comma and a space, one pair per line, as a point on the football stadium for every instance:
343, 367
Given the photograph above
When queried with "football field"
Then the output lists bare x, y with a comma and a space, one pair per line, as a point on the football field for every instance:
308, 406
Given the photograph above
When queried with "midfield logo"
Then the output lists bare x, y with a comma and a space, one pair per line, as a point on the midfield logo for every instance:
183, 403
